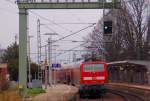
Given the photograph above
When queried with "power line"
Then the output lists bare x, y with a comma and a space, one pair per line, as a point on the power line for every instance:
50, 21
83, 23
71, 34
69, 50
52, 30
73, 40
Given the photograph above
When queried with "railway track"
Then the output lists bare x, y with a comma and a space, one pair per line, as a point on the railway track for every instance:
131, 93
106, 97
113, 95
128, 96
120, 93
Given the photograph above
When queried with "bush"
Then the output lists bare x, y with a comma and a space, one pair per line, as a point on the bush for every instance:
35, 91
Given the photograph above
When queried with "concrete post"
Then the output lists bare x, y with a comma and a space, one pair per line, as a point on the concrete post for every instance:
49, 60
23, 51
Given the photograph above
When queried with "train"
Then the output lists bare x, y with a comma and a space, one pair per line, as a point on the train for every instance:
90, 77
93, 76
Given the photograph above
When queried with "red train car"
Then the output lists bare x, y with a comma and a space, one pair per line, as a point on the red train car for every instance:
3, 71
3, 76
89, 76
93, 76
69, 74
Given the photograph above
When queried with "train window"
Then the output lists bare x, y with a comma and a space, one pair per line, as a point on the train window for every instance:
88, 68
93, 67
98, 67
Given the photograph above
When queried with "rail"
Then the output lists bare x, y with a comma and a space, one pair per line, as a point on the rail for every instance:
127, 96
142, 94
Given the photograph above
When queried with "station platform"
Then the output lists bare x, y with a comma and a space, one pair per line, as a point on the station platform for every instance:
138, 86
58, 92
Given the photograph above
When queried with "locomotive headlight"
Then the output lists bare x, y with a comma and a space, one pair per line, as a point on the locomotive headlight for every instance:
100, 78
87, 78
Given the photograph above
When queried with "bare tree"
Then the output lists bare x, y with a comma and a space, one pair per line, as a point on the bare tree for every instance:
134, 21
131, 32
95, 40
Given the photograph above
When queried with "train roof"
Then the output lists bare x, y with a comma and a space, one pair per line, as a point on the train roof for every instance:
72, 65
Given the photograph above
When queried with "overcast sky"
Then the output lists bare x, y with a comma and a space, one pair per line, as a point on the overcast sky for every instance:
9, 24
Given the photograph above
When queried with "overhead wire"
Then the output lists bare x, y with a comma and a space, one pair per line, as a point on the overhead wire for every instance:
80, 23
69, 50
50, 21
46, 26
73, 33
58, 24
70, 34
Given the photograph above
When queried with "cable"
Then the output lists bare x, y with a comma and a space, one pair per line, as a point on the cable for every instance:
73, 40
46, 26
73, 23
71, 34
50, 21
69, 50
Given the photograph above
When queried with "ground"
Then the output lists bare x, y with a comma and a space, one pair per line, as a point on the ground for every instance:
9, 95
58, 92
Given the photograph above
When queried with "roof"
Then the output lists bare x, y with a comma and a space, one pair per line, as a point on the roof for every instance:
131, 63
125, 62
72, 65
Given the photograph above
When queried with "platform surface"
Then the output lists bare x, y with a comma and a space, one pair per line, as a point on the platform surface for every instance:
59, 92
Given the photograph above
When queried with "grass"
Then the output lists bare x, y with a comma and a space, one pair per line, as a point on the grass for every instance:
13, 95
35, 91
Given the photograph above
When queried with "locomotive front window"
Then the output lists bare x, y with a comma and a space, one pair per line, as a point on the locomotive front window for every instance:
98, 67
93, 67
88, 68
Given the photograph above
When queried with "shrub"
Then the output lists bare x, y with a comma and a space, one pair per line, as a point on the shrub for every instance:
35, 91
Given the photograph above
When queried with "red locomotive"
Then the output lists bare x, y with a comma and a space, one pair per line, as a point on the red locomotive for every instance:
89, 76
93, 75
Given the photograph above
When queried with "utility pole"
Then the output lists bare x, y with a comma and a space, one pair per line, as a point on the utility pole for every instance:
46, 71
39, 49
49, 59
50, 56
74, 57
